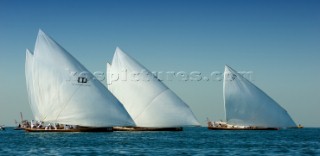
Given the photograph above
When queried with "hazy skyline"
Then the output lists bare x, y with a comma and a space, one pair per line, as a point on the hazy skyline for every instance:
278, 41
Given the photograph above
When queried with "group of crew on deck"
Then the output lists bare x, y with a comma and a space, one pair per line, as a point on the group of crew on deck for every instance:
40, 125
221, 124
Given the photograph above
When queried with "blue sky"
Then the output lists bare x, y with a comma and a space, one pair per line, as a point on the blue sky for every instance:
277, 40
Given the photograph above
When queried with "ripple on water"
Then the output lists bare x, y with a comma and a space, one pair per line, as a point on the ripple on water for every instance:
191, 141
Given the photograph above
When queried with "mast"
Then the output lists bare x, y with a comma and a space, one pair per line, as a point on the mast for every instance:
21, 117
224, 96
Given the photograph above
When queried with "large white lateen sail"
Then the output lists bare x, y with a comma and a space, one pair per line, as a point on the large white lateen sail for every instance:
149, 102
62, 90
246, 104
30, 84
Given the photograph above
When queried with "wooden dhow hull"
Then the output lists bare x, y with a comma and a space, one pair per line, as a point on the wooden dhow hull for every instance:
245, 128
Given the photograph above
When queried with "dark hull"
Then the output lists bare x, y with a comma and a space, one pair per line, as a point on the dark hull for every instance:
247, 128
147, 129
81, 129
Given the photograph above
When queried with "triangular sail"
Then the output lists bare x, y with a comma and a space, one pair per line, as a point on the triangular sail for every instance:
246, 104
30, 84
149, 102
65, 92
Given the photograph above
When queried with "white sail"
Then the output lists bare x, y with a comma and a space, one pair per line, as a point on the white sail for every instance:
149, 102
29, 83
246, 104
65, 92
108, 76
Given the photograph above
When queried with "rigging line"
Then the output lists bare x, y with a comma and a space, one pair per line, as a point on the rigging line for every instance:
68, 102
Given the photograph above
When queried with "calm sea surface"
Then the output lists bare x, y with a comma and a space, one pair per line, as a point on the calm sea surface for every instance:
191, 141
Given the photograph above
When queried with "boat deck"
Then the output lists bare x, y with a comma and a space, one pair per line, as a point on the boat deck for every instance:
81, 129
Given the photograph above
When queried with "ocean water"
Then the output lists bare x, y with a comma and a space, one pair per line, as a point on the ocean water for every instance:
191, 141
